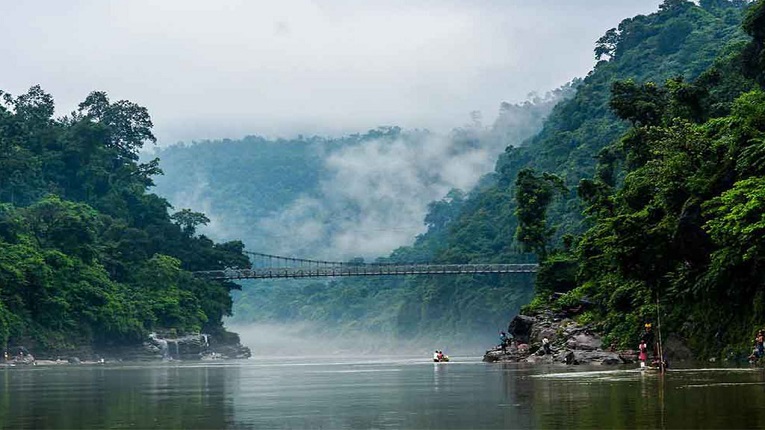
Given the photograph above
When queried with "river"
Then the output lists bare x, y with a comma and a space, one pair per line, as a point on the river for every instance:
333, 393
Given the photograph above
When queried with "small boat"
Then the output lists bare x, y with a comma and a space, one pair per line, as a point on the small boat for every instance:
440, 357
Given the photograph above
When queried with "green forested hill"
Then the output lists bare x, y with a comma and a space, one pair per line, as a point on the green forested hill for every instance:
88, 258
681, 41
676, 208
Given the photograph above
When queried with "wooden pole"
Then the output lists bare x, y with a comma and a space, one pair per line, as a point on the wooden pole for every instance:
658, 328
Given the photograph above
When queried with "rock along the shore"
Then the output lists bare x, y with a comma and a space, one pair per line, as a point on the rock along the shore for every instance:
570, 342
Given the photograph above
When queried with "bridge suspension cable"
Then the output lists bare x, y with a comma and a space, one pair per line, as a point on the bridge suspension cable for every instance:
276, 266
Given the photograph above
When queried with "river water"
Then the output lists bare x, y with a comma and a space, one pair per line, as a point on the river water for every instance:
376, 393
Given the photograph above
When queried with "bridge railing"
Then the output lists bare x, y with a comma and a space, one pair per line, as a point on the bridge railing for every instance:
367, 270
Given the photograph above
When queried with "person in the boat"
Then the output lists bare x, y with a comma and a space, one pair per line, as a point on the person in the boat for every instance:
440, 356
435, 356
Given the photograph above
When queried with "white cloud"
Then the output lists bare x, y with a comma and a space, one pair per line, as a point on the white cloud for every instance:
231, 67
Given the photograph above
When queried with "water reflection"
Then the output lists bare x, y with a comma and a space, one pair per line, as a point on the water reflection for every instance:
164, 396
391, 393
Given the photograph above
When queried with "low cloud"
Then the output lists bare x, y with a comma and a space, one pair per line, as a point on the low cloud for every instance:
376, 195
227, 68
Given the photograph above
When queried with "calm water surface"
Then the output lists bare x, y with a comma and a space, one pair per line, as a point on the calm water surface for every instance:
383, 393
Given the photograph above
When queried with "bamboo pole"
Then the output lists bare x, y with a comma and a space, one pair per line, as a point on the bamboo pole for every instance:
658, 328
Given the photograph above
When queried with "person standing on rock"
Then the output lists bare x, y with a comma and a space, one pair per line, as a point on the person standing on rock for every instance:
546, 346
648, 339
503, 341
643, 356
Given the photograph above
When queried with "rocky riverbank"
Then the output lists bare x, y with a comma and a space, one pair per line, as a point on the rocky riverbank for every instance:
570, 343
156, 347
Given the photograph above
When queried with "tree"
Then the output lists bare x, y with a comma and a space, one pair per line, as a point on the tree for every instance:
67, 226
128, 124
640, 104
189, 220
607, 44
754, 25
533, 195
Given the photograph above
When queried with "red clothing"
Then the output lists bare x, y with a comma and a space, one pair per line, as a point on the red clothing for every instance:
643, 353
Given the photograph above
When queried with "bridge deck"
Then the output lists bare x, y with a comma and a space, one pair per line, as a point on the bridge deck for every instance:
367, 270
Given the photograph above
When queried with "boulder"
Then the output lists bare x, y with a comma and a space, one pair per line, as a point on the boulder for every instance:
628, 356
520, 327
588, 342
233, 351
596, 357
675, 349
191, 347
496, 354
539, 359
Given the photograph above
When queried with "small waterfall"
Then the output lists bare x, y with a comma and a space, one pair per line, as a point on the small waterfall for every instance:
177, 350
165, 350
162, 346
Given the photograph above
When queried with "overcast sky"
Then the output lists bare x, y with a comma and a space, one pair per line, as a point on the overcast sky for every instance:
228, 68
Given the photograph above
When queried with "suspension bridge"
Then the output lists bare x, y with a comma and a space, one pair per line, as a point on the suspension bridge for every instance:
265, 266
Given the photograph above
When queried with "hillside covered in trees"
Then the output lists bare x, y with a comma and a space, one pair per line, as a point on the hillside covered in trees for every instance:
88, 258
617, 195
644, 181
675, 208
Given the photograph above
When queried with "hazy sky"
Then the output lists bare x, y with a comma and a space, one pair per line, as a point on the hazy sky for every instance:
227, 68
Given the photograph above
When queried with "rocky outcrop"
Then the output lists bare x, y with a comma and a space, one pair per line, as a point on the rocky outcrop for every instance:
521, 328
194, 347
570, 343
155, 347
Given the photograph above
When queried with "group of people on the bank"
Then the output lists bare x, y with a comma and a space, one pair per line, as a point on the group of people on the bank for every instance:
649, 348
508, 341
759, 347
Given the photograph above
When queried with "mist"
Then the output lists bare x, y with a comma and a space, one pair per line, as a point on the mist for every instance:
304, 339
371, 195
376, 195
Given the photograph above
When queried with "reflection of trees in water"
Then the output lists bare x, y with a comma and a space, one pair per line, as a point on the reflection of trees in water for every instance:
630, 399
166, 396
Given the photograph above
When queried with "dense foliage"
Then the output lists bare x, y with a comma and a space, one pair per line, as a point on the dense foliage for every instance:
88, 258
531, 203
675, 209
